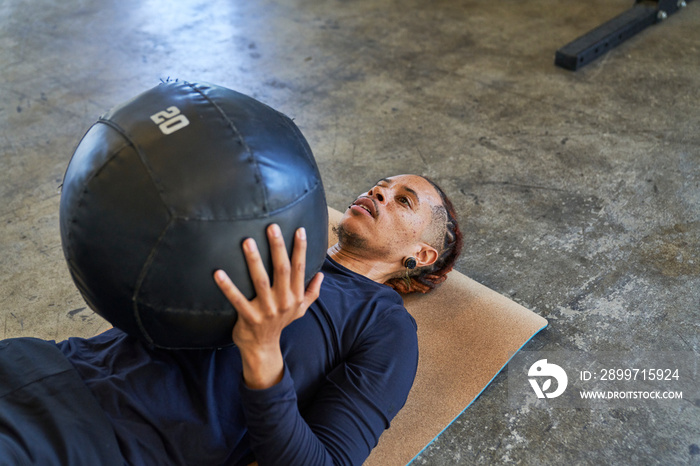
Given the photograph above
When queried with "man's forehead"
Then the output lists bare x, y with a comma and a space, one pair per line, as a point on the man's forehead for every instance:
414, 183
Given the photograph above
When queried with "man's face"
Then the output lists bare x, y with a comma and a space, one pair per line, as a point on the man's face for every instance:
390, 219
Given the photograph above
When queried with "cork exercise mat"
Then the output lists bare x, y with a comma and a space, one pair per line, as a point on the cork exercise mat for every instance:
466, 335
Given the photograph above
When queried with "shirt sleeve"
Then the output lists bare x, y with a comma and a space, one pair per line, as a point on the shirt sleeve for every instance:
355, 404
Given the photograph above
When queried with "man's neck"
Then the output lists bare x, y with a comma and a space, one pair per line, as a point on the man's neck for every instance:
373, 269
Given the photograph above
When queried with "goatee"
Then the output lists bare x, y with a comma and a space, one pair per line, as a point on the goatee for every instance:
347, 239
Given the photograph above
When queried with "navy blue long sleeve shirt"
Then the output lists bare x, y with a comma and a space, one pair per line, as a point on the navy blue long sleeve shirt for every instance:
349, 365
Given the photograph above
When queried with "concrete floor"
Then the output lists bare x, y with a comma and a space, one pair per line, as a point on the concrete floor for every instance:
579, 192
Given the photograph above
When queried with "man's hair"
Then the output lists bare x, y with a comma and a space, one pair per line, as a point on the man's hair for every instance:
448, 243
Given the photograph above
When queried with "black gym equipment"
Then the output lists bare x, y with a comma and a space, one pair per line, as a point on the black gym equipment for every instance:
609, 35
161, 192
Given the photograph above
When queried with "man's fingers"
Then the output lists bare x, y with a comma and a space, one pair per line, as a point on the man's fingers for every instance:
256, 269
299, 262
288, 293
280, 260
313, 290
231, 291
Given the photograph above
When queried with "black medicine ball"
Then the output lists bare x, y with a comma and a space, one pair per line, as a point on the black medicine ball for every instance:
161, 192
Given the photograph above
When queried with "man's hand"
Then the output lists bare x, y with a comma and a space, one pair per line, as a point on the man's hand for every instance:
261, 321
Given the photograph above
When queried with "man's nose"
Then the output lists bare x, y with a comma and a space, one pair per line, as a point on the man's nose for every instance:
377, 193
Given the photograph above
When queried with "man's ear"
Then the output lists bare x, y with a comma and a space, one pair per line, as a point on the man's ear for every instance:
427, 255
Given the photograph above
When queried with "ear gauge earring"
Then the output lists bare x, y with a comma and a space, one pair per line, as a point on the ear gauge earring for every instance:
410, 263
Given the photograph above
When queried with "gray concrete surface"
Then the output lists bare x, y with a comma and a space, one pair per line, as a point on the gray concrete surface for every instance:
579, 193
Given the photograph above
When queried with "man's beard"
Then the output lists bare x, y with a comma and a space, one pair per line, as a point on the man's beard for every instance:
349, 240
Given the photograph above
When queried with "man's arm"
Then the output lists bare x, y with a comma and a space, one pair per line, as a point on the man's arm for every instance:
357, 400
353, 406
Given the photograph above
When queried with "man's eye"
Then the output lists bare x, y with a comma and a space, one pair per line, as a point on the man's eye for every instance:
404, 200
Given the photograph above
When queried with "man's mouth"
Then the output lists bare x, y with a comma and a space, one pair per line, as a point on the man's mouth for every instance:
365, 204
364, 207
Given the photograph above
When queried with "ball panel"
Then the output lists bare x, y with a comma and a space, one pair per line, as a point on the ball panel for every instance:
184, 280
98, 145
283, 158
111, 229
177, 329
197, 165
315, 214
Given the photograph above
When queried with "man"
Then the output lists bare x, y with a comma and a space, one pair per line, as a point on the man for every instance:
315, 374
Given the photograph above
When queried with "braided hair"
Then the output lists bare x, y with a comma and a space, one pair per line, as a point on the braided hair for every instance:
425, 279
